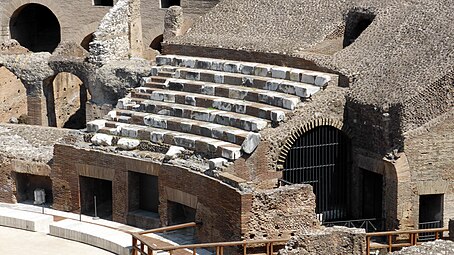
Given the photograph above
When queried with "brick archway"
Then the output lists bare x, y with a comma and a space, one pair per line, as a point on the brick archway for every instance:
305, 128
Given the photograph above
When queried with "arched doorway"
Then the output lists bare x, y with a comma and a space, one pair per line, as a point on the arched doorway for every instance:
86, 41
13, 97
321, 157
66, 98
156, 43
35, 27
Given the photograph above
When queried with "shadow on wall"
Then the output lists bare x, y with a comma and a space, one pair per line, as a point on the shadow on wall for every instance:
35, 27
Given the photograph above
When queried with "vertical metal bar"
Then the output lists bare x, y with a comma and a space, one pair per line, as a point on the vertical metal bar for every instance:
244, 249
194, 251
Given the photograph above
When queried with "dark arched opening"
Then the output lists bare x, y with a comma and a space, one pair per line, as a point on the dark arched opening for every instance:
35, 27
156, 43
321, 157
86, 41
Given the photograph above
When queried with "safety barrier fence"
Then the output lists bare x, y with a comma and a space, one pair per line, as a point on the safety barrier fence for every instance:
142, 246
401, 238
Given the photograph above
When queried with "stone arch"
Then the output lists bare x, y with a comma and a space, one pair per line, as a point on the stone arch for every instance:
35, 27
86, 41
156, 43
66, 96
305, 128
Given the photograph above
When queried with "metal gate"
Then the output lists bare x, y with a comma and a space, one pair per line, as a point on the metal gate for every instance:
322, 157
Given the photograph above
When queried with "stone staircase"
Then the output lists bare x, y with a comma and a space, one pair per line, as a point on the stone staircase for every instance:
212, 106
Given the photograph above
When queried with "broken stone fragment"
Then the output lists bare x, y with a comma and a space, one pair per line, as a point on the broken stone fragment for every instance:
321, 80
102, 139
95, 125
128, 144
251, 142
217, 163
174, 152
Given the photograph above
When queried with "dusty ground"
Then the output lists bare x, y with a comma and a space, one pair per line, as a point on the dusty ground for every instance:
15, 241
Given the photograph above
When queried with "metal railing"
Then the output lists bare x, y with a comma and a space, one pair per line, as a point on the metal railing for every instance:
370, 225
142, 245
398, 239
428, 236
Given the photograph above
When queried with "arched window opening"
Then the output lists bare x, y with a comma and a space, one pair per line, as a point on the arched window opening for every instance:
66, 98
321, 157
156, 43
13, 98
86, 42
35, 27
356, 23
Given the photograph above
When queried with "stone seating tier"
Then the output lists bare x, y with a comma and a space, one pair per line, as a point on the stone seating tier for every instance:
216, 107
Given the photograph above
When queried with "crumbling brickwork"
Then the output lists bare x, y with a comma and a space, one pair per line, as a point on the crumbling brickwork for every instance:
335, 241
281, 213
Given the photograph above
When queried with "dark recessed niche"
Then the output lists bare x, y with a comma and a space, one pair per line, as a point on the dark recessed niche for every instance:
357, 21
103, 2
168, 3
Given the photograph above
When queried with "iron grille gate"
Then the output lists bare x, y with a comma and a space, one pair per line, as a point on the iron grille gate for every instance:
321, 157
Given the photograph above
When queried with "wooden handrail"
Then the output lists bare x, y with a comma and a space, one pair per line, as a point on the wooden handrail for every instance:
403, 232
169, 228
412, 240
221, 244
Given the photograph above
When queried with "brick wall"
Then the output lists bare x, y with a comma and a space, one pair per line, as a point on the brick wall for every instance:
281, 213
429, 150
219, 207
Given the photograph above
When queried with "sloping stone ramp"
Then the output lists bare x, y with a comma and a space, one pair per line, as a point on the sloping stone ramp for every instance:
213, 106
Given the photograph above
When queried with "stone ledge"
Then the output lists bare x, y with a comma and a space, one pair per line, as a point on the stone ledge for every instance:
102, 237
25, 220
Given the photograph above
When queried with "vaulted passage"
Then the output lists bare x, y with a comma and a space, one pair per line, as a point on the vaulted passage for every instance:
35, 27
322, 158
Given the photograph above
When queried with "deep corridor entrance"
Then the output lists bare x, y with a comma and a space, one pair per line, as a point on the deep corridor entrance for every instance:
27, 183
179, 213
372, 195
35, 27
102, 189
322, 157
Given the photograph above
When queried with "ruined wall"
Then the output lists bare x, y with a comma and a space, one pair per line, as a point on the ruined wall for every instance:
429, 153
219, 207
66, 88
111, 39
333, 240
13, 97
281, 213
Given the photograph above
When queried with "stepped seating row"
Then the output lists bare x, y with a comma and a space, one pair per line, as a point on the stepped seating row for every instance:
247, 68
212, 106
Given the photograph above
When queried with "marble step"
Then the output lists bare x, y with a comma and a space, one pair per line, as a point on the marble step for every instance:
209, 146
275, 114
225, 118
248, 68
283, 100
248, 140
303, 90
